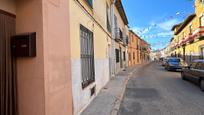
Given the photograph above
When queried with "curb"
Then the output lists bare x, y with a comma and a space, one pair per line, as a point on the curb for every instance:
119, 100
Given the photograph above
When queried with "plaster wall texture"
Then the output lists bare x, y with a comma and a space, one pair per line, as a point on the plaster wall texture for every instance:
82, 97
8, 5
44, 82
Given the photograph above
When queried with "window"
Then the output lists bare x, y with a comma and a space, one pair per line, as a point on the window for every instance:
124, 56
108, 18
87, 56
90, 3
117, 55
190, 28
116, 22
202, 52
133, 55
202, 21
129, 56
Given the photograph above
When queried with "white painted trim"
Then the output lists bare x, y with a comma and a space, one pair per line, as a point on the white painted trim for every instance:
201, 15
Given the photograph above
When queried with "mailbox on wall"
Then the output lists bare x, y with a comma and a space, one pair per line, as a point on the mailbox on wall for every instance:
24, 45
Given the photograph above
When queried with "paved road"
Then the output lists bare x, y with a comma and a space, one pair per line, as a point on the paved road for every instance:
154, 91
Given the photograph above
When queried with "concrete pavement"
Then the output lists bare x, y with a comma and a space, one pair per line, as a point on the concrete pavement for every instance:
155, 91
108, 100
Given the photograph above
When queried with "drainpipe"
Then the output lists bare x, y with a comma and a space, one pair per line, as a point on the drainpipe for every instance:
113, 57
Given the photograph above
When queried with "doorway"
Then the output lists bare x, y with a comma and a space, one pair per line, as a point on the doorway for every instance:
184, 53
202, 52
8, 105
121, 60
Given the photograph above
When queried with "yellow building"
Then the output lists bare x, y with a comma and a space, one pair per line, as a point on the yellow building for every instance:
188, 37
90, 35
120, 35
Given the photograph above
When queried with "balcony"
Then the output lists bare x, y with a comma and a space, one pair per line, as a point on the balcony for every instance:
121, 37
118, 35
197, 34
125, 40
189, 38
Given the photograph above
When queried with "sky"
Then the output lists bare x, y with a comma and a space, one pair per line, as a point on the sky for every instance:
152, 20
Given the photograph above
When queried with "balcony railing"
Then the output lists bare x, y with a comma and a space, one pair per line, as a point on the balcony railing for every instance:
118, 35
197, 34
121, 37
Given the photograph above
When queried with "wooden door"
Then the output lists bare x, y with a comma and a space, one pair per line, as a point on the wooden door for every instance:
8, 105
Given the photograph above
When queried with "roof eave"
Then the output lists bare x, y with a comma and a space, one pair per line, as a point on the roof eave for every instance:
186, 22
121, 10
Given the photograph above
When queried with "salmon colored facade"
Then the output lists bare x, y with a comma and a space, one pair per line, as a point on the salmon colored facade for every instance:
138, 50
133, 50
145, 51
43, 82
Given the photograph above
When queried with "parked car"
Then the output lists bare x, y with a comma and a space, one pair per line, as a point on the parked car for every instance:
195, 73
164, 61
175, 64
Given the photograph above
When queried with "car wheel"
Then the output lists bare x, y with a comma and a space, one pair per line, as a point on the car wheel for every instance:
202, 85
183, 76
167, 68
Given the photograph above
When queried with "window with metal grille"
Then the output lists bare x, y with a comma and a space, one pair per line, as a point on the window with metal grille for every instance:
87, 56
108, 20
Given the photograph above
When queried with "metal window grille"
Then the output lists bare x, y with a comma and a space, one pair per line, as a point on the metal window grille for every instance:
108, 18
87, 56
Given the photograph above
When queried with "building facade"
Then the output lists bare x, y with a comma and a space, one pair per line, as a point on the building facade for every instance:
80, 45
138, 50
120, 35
38, 84
133, 49
90, 35
188, 42
144, 51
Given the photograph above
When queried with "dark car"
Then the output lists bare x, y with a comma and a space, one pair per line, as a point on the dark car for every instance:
195, 73
175, 64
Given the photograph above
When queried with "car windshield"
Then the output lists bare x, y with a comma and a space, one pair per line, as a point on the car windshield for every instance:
174, 60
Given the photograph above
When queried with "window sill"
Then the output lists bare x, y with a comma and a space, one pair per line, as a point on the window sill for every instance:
89, 82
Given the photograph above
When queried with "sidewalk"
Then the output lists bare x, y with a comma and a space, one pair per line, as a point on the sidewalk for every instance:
108, 100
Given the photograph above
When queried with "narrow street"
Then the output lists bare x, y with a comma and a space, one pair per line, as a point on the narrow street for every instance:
154, 91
